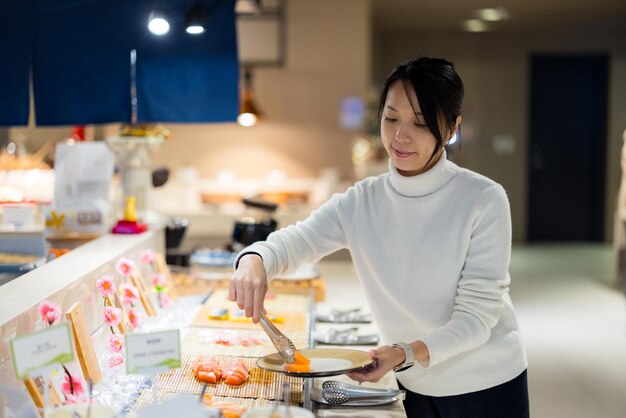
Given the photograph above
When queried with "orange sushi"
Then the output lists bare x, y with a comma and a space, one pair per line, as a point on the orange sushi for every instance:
207, 369
235, 372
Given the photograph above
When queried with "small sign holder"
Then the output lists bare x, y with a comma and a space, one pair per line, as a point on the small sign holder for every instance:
82, 341
137, 281
153, 353
38, 354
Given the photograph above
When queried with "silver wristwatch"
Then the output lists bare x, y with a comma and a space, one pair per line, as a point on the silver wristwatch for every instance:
409, 357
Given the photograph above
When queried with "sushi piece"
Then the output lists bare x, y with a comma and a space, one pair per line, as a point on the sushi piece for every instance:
228, 410
235, 372
207, 369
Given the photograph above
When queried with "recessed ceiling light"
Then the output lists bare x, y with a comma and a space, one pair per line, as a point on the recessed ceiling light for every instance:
493, 14
157, 23
474, 25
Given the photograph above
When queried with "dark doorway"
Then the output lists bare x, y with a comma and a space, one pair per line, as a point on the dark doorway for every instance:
566, 152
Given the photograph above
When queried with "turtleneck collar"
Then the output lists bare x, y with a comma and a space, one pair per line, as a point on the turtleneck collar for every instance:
425, 183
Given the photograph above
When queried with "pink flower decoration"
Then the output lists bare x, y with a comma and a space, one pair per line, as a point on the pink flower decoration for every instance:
133, 318
147, 257
77, 382
166, 301
112, 316
116, 360
116, 343
50, 312
130, 294
125, 267
106, 286
158, 280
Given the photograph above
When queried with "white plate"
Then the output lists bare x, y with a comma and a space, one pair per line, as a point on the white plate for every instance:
324, 362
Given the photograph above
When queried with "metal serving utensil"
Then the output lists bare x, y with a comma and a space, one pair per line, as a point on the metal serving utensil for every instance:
338, 396
335, 384
284, 345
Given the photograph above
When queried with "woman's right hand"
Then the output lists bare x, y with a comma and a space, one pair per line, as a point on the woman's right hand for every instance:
248, 286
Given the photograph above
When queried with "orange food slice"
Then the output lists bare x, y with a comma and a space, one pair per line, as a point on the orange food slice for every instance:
298, 368
299, 358
301, 364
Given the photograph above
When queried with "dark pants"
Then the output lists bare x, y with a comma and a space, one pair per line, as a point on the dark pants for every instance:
508, 400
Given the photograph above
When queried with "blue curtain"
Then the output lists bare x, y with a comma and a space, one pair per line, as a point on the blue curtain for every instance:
185, 78
16, 44
81, 63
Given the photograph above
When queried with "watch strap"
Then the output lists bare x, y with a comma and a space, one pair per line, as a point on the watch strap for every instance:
409, 356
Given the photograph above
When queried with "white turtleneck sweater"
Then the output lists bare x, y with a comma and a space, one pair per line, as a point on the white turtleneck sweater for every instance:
432, 254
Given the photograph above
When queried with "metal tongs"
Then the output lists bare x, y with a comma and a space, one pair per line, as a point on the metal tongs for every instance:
284, 345
337, 393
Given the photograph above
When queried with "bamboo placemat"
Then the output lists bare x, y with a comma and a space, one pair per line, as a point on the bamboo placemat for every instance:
193, 345
261, 384
292, 307
275, 303
294, 322
145, 399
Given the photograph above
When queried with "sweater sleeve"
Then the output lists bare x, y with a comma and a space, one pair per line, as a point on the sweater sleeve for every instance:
320, 234
483, 284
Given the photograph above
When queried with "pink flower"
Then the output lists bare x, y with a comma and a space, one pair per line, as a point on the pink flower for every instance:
105, 285
159, 282
130, 294
50, 312
166, 301
147, 257
116, 360
125, 267
76, 387
116, 343
112, 316
133, 318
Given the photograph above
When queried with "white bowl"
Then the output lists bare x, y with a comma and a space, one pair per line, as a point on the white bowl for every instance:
97, 411
266, 412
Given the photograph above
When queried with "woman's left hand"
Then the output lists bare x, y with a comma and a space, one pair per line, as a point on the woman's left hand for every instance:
384, 358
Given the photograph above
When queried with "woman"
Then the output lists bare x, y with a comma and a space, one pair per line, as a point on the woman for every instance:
431, 244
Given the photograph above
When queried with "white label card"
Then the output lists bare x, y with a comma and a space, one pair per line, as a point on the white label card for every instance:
41, 350
153, 352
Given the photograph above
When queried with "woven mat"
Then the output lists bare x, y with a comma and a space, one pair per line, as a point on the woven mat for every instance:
193, 343
261, 384
145, 399
294, 322
276, 303
293, 308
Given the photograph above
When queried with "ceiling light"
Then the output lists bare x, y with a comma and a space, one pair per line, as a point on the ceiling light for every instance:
195, 19
474, 25
247, 7
249, 113
157, 23
493, 14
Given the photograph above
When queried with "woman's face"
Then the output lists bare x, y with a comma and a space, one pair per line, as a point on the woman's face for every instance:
404, 132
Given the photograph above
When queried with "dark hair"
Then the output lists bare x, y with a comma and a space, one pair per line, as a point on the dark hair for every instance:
438, 88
